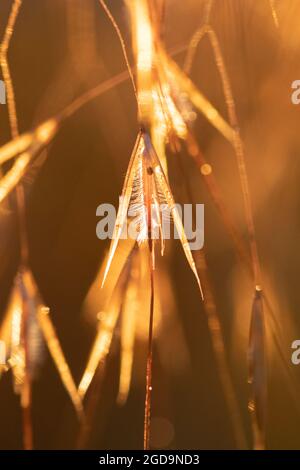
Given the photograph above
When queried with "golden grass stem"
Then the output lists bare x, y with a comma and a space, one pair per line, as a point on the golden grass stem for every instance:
248, 211
11, 103
90, 408
26, 392
207, 11
148, 397
217, 198
100, 348
122, 42
211, 311
236, 141
59, 358
215, 329
13, 120
21, 144
240, 248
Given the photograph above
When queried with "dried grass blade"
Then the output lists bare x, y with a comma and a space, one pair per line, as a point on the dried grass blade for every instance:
164, 186
5, 335
59, 358
101, 346
16, 146
148, 397
215, 329
10, 180
124, 203
199, 100
17, 356
128, 327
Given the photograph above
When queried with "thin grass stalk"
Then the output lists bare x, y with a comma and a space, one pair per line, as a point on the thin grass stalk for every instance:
236, 142
215, 329
11, 102
257, 373
207, 11
42, 135
217, 196
26, 393
128, 329
240, 249
214, 325
217, 340
100, 348
13, 120
90, 407
148, 396
209, 179
258, 433
122, 42
93, 374
27, 148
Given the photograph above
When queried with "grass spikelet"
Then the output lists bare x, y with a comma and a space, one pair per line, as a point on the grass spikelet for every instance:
200, 102
30, 327
30, 145
146, 188
108, 302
